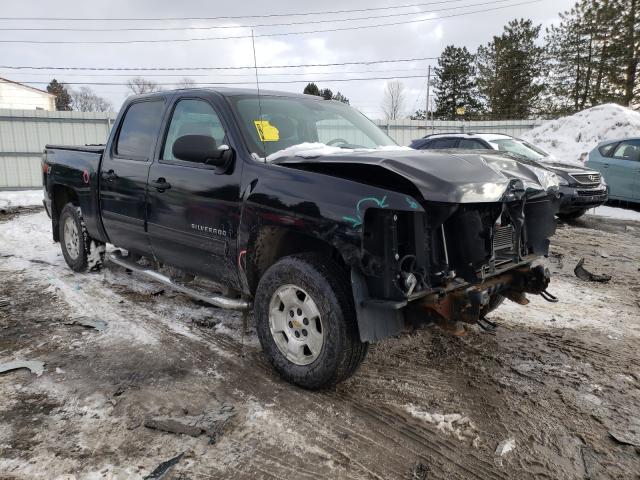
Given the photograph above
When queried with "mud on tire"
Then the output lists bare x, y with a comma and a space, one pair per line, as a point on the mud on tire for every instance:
80, 251
328, 286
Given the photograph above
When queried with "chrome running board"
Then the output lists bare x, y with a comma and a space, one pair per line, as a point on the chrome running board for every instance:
216, 300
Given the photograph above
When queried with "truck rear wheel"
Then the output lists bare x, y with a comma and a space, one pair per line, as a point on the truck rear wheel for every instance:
306, 321
78, 249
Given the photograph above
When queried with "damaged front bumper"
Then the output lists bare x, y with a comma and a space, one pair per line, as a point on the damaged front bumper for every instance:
469, 304
447, 263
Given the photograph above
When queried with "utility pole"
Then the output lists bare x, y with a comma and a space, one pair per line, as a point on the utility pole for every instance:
426, 110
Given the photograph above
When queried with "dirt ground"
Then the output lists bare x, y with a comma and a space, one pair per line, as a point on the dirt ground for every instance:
559, 383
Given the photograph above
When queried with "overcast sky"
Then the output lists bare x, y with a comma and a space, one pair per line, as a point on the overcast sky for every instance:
413, 40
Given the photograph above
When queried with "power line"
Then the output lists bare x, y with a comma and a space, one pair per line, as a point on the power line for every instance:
246, 83
216, 27
263, 35
227, 17
157, 69
181, 75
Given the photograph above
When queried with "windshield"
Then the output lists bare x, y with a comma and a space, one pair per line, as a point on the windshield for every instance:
289, 121
519, 148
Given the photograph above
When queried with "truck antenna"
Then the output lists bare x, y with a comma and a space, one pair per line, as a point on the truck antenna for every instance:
255, 65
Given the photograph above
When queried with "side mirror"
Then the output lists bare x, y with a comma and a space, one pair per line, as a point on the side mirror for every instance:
200, 149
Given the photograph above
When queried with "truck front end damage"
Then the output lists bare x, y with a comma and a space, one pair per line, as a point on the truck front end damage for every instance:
471, 230
451, 262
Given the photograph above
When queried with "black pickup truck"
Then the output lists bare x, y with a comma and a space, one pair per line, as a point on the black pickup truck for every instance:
305, 212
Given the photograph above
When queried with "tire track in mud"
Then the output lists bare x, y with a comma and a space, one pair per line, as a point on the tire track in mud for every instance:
436, 446
384, 426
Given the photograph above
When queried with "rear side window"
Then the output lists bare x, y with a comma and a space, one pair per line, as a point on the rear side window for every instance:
139, 130
443, 143
628, 150
606, 150
472, 144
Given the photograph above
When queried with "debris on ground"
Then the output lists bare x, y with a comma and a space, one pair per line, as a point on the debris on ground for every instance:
162, 469
629, 435
95, 323
583, 274
206, 322
420, 471
505, 447
35, 366
212, 423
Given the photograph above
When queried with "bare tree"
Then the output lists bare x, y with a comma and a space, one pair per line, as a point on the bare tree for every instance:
86, 100
186, 82
138, 85
393, 100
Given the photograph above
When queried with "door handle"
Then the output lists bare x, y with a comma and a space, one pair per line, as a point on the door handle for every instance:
160, 184
109, 176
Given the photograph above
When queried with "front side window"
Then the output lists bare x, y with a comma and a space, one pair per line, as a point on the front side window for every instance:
139, 130
192, 117
628, 150
607, 150
272, 123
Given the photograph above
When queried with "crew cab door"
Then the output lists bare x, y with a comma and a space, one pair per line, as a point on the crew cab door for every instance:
623, 170
194, 208
124, 171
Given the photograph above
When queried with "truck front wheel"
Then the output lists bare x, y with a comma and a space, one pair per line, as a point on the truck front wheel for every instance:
306, 321
80, 251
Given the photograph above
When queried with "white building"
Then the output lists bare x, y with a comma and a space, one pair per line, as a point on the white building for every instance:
22, 97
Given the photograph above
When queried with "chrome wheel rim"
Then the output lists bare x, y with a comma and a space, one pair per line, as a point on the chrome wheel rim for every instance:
296, 325
71, 238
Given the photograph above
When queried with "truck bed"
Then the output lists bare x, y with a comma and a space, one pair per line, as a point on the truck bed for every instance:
99, 149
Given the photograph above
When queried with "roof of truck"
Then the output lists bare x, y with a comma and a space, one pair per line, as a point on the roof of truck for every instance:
233, 91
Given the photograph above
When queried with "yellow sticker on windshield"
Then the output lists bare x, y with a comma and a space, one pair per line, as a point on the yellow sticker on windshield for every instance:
266, 131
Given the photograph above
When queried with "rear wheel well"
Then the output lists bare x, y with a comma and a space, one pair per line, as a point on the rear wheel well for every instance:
61, 195
271, 244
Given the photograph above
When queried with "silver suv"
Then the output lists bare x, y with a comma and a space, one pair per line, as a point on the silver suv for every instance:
580, 188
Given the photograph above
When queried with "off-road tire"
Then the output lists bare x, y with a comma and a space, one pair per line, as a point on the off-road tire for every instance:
494, 302
567, 217
90, 252
329, 287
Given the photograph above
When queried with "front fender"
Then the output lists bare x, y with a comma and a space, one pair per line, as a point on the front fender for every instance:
325, 207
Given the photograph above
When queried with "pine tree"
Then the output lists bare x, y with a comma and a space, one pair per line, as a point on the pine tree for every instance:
311, 89
341, 98
326, 94
509, 71
455, 84
594, 54
63, 99
627, 48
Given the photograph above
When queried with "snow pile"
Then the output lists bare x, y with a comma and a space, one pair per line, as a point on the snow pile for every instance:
311, 150
21, 198
617, 213
452, 423
567, 138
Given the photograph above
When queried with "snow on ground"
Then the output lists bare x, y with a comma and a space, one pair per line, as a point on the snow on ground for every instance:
456, 424
20, 198
27, 246
617, 213
567, 138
